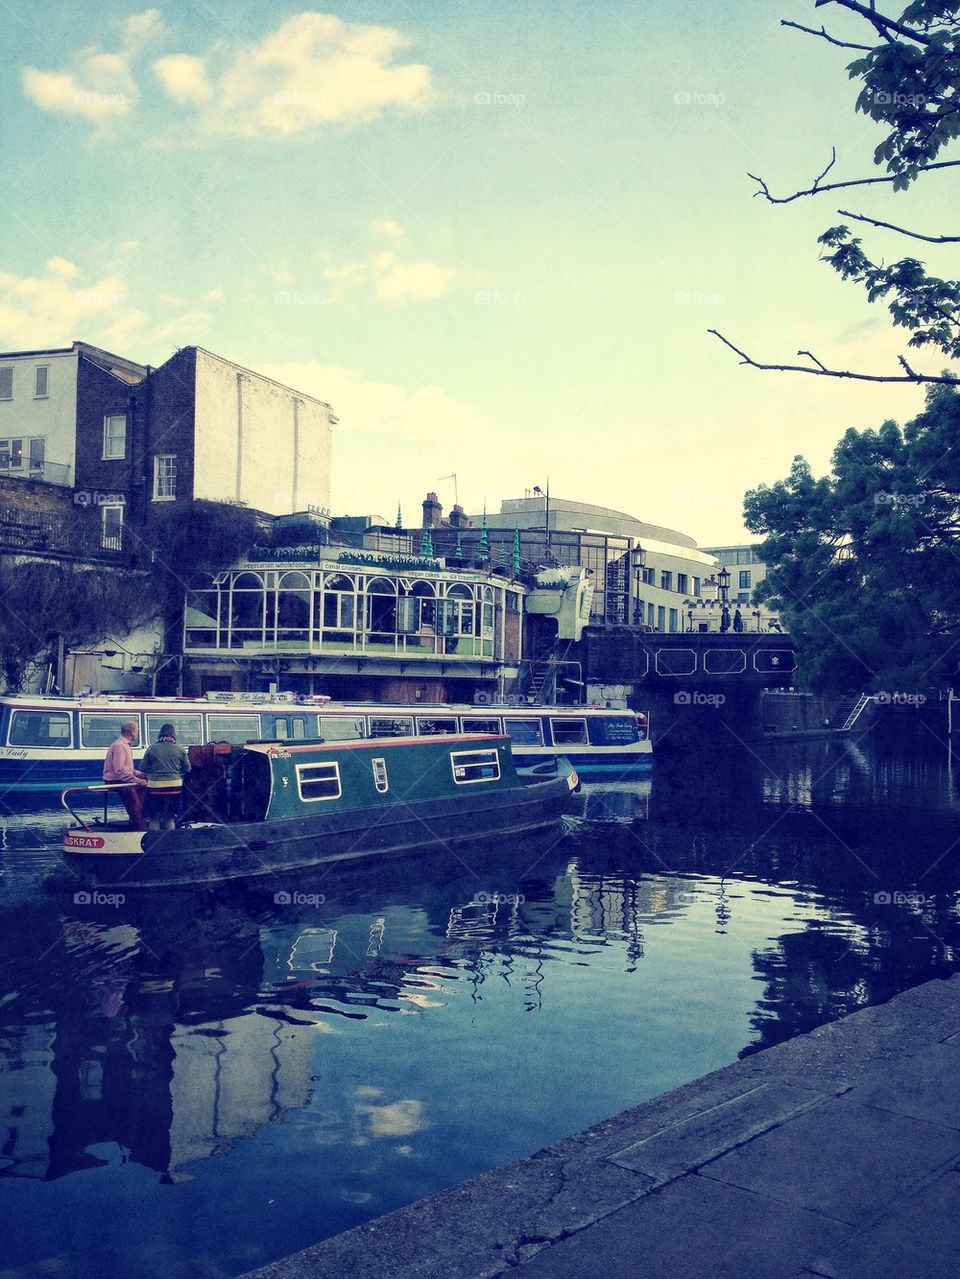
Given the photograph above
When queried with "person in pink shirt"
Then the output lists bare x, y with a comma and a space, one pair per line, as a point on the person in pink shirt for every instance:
118, 767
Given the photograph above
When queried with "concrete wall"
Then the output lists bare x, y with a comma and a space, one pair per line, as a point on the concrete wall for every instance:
258, 442
53, 418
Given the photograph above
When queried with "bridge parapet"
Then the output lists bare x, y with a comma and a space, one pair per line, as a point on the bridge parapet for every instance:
625, 654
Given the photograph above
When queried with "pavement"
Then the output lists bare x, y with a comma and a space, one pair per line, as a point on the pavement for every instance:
836, 1154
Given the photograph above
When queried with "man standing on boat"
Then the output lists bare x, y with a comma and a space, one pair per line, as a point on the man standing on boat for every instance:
164, 766
118, 767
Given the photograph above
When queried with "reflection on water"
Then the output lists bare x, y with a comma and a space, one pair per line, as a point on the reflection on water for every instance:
194, 1083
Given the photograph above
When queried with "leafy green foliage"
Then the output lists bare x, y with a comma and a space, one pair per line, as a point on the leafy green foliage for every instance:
864, 564
911, 85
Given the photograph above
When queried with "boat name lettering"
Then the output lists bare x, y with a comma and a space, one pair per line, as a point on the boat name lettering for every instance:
12, 752
83, 841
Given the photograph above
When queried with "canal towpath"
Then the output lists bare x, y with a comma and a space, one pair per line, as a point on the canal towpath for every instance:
835, 1154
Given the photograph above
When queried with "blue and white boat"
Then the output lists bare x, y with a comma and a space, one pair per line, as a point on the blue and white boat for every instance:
49, 743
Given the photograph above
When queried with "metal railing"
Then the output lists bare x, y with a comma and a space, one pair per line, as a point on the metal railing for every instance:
59, 533
46, 472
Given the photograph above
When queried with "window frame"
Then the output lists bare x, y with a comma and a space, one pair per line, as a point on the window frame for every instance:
158, 460
111, 506
153, 721
300, 769
580, 720
4, 369
236, 718
117, 717
66, 743
513, 719
381, 779
461, 761
110, 439
45, 370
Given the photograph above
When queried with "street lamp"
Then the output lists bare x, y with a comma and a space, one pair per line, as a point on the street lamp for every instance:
638, 557
546, 500
723, 584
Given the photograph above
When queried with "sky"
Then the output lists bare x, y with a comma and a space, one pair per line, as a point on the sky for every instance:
492, 236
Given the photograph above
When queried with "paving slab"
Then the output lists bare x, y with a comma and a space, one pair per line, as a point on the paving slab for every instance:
918, 1239
843, 1159
690, 1143
684, 1232
921, 1086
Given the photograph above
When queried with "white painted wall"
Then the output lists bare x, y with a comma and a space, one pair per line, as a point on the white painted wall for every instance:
259, 442
54, 418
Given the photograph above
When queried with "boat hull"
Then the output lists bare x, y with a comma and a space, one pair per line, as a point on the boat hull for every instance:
212, 853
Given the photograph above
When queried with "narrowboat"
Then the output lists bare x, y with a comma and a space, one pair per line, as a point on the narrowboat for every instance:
48, 743
270, 806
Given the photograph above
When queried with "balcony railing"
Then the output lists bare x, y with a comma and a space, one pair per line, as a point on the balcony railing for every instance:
46, 472
77, 535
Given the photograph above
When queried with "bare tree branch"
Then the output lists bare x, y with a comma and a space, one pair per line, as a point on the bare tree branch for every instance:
825, 35
889, 226
945, 379
817, 189
878, 21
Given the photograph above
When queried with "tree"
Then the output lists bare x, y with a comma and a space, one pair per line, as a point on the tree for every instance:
864, 564
911, 86
40, 602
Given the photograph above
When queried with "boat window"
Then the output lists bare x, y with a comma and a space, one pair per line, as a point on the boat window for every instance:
524, 731
391, 726
100, 730
186, 727
475, 766
341, 728
318, 781
232, 728
281, 729
568, 732
299, 728
436, 724
480, 724
380, 775
40, 728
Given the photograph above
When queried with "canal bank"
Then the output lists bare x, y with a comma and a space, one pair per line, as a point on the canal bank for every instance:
834, 1154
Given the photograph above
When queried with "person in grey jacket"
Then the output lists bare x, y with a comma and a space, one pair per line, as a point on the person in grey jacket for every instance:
164, 765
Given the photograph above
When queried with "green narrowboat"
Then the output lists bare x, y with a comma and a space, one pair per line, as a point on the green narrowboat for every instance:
270, 806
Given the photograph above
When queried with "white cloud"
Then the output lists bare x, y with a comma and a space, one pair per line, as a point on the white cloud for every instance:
387, 227
56, 307
315, 69
405, 281
184, 78
94, 85
182, 330
383, 412
392, 280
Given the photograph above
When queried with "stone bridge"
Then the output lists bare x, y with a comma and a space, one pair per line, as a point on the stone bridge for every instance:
623, 654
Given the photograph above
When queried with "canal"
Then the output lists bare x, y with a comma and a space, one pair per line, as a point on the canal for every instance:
195, 1083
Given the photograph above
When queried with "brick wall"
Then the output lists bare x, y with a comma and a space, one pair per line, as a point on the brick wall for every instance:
170, 406
99, 394
35, 496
